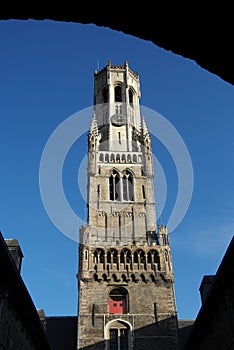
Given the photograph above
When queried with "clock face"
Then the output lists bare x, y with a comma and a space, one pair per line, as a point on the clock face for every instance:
118, 120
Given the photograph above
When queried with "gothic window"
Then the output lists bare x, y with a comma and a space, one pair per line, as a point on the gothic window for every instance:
153, 257
128, 187
125, 256
167, 259
112, 256
118, 301
139, 256
98, 256
118, 94
101, 157
164, 239
114, 186
130, 96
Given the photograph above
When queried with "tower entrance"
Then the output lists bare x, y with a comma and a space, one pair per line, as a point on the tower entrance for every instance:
118, 335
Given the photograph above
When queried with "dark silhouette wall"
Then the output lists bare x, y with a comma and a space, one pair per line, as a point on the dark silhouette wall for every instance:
197, 30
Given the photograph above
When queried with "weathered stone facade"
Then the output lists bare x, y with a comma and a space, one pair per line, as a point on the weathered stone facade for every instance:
126, 281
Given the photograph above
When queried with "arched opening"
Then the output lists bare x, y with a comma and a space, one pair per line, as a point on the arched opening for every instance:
128, 187
114, 186
153, 258
126, 259
130, 96
112, 256
98, 256
139, 258
118, 301
118, 94
118, 334
104, 95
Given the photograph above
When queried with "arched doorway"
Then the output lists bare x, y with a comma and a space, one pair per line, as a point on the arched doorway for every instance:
118, 334
118, 301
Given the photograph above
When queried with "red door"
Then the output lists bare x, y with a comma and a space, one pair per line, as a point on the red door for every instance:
117, 306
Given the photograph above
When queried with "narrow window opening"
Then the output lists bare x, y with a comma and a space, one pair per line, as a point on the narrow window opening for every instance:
114, 186
143, 192
104, 96
130, 96
118, 94
119, 137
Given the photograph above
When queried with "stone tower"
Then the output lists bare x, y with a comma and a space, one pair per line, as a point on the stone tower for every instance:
125, 278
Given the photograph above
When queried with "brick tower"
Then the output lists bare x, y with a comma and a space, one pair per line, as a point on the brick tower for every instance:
125, 278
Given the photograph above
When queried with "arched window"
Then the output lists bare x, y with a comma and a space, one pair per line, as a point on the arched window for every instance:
125, 256
118, 94
128, 187
112, 256
98, 256
130, 96
139, 257
114, 186
153, 257
118, 301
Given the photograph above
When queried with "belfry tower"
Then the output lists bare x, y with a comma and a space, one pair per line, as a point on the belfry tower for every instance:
125, 278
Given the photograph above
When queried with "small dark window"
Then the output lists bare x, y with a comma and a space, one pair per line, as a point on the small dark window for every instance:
118, 94
130, 96
143, 191
104, 96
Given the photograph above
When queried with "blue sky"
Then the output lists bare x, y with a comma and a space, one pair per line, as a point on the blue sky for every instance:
46, 76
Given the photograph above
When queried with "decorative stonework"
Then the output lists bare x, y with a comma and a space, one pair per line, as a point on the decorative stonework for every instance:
126, 280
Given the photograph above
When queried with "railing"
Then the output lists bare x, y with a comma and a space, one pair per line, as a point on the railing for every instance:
120, 157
